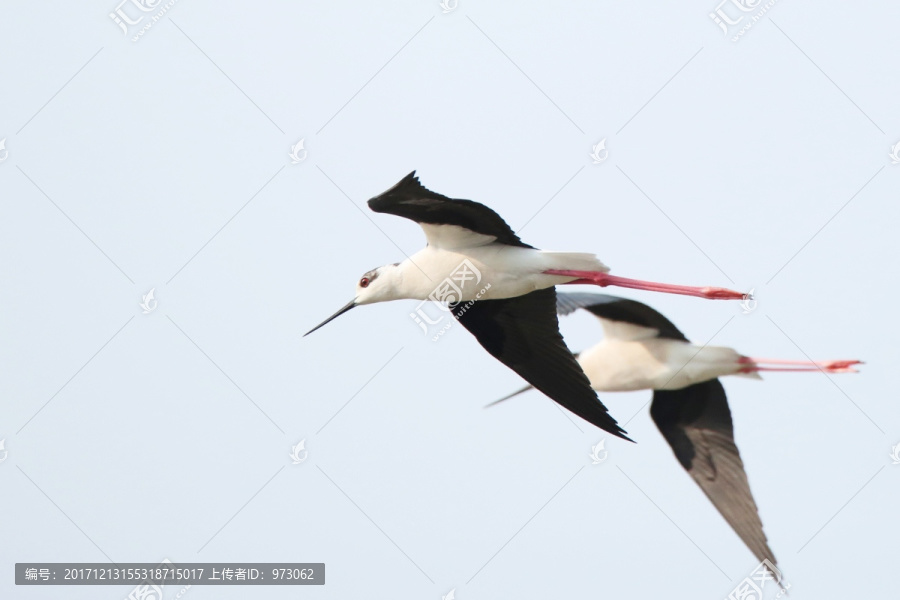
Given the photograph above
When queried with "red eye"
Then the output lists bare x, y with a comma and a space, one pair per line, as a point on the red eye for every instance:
364, 282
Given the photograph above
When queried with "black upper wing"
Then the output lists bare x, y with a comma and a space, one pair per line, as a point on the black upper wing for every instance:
411, 200
615, 308
523, 333
696, 421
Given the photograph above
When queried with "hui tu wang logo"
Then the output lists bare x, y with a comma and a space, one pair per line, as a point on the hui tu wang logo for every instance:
895, 153
751, 587
732, 22
599, 153
137, 11
4, 153
299, 452
749, 303
447, 296
446, 7
148, 590
148, 302
3, 452
451, 595
298, 153
598, 453
895, 454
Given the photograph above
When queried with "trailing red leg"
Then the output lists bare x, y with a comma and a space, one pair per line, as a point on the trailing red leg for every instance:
604, 279
825, 366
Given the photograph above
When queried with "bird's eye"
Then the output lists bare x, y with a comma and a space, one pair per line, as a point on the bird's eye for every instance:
364, 282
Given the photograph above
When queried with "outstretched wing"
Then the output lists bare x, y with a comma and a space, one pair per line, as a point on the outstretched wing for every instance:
523, 333
447, 222
696, 422
620, 310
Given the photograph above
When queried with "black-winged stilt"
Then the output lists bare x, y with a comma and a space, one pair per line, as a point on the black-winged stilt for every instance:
514, 315
642, 349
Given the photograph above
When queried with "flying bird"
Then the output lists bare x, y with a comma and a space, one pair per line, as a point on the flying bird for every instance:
642, 349
514, 315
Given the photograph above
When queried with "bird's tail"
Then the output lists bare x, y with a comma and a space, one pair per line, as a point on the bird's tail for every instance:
573, 261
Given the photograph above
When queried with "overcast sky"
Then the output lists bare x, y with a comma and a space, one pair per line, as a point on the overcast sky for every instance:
171, 164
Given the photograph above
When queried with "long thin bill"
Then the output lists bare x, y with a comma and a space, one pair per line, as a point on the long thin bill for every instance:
513, 395
347, 307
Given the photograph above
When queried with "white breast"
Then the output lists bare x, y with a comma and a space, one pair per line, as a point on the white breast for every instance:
616, 365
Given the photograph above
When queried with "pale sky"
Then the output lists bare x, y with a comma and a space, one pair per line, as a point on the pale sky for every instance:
165, 164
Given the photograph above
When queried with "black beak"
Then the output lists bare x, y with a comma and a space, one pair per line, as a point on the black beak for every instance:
514, 394
349, 305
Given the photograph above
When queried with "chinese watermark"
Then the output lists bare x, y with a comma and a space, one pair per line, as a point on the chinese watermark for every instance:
299, 453
732, 22
133, 17
298, 153
895, 153
149, 302
598, 453
449, 292
150, 591
751, 587
748, 303
895, 454
599, 153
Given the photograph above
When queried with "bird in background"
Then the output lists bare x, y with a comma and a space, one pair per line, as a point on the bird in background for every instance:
513, 316
642, 349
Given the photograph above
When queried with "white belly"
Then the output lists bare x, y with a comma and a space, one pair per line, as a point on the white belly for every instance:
658, 364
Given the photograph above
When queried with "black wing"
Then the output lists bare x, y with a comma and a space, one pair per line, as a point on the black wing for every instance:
614, 308
523, 334
697, 424
519, 391
411, 200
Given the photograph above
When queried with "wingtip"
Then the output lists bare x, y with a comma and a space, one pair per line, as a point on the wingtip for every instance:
617, 431
621, 433
410, 181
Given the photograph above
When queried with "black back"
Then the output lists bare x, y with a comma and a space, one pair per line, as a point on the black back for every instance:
624, 310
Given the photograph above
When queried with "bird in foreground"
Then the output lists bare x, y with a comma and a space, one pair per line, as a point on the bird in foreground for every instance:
513, 314
642, 349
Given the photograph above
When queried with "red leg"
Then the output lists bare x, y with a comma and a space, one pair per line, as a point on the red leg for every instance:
800, 369
827, 366
605, 279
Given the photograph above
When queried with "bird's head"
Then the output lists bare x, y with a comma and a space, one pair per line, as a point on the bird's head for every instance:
377, 285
